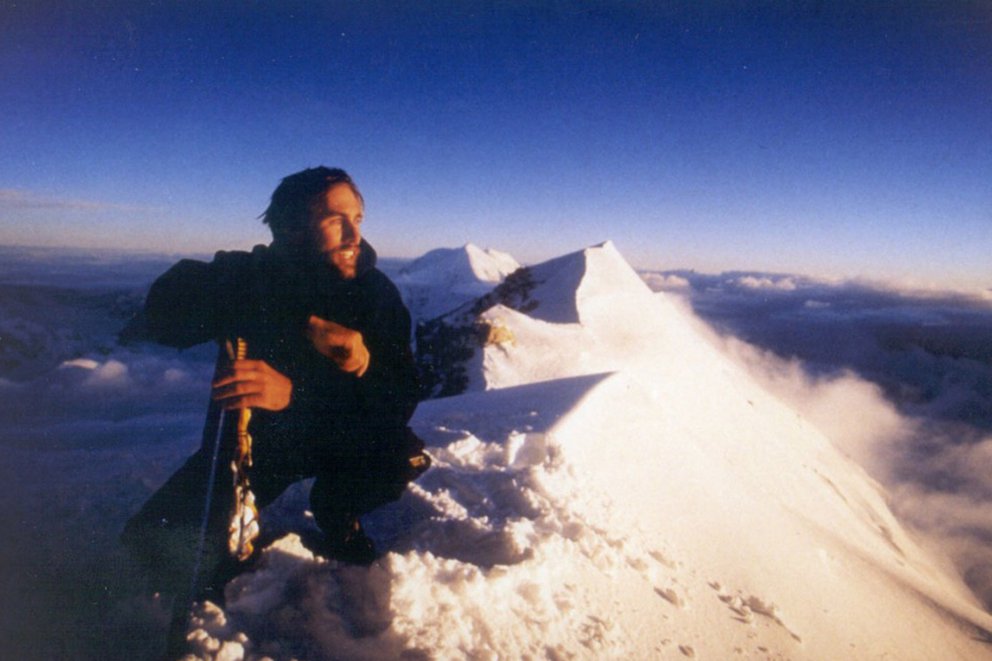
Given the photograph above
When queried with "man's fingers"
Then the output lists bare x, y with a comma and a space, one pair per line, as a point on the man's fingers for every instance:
242, 370
226, 380
252, 384
360, 361
342, 345
353, 362
235, 389
243, 395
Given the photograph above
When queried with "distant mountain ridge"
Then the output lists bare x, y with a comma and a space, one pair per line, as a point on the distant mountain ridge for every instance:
445, 278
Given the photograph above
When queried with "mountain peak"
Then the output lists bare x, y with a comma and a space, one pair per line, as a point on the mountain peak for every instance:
465, 264
445, 278
559, 289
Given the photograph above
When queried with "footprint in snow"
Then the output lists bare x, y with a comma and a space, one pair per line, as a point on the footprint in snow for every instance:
745, 608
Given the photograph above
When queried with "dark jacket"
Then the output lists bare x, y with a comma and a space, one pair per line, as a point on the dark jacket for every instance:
266, 297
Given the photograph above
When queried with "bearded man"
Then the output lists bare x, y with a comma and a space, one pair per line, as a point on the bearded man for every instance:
329, 377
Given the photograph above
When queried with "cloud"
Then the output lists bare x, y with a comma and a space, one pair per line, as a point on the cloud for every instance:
11, 198
746, 282
782, 283
665, 282
930, 356
924, 292
849, 410
106, 401
109, 375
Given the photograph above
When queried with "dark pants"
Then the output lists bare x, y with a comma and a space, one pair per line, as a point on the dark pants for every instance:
164, 535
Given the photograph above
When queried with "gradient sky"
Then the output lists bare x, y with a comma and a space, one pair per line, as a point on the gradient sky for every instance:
827, 138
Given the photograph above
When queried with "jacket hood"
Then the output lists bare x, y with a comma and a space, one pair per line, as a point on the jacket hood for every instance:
367, 258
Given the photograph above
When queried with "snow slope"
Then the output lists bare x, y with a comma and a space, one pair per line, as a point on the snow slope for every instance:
608, 485
445, 278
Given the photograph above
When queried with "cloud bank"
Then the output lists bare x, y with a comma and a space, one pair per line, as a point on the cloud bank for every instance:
12, 198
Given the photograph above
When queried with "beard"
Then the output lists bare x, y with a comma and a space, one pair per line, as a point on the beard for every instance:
344, 260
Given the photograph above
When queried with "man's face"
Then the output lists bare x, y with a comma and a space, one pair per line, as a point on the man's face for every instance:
334, 229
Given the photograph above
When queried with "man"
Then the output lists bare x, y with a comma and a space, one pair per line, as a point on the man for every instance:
329, 378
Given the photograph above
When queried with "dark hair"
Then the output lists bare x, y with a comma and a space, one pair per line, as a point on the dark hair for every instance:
295, 198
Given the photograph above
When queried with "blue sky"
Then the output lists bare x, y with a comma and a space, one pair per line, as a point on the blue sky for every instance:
830, 138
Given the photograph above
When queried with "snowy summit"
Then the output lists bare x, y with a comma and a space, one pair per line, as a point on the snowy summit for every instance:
445, 278
607, 484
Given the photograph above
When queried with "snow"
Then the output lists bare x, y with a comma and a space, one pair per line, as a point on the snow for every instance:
445, 278
610, 485
607, 483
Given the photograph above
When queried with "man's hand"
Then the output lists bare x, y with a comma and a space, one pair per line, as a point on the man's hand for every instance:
252, 384
342, 345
